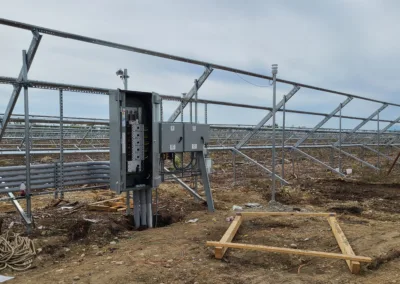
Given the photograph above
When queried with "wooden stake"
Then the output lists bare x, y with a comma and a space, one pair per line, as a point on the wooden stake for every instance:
228, 236
344, 245
290, 251
300, 214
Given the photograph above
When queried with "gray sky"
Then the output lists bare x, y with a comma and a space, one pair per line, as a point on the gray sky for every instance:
351, 46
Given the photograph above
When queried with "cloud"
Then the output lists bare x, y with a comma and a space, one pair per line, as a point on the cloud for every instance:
349, 46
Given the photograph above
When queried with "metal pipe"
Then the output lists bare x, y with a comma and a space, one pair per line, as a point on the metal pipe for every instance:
103, 91
27, 139
274, 72
283, 136
143, 207
340, 138
379, 141
149, 207
95, 41
61, 181
136, 208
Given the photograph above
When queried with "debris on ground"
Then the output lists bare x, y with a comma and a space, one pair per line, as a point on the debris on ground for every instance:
253, 205
236, 207
5, 278
192, 220
91, 220
230, 219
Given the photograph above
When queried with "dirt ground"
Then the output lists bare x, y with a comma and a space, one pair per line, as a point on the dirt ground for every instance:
108, 250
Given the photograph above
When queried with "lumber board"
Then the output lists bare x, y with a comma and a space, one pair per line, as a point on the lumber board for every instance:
290, 251
92, 207
302, 214
5, 208
102, 201
228, 236
344, 245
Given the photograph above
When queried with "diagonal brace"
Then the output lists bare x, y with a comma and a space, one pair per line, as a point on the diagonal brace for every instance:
187, 97
17, 89
258, 164
345, 136
266, 118
356, 158
322, 122
377, 152
185, 186
318, 161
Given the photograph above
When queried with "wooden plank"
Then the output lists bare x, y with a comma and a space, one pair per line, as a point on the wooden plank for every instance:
344, 245
228, 236
290, 251
101, 208
100, 202
5, 208
300, 214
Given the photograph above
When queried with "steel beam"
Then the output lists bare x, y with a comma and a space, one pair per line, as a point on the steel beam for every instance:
258, 164
356, 158
188, 96
397, 120
345, 136
377, 152
84, 136
266, 118
185, 186
20, 210
322, 122
95, 41
95, 90
318, 161
17, 89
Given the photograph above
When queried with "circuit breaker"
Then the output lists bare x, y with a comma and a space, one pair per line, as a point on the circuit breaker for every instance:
134, 132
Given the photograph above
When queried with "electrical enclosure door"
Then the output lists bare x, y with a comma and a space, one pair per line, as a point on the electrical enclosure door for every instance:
134, 132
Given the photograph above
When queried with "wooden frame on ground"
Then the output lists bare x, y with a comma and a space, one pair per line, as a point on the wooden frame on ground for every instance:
352, 260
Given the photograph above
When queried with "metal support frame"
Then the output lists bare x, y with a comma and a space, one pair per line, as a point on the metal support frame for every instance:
273, 186
258, 164
283, 135
317, 136
365, 121
60, 187
355, 158
318, 161
17, 89
85, 135
340, 138
206, 182
188, 96
27, 140
185, 186
322, 122
377, 152
266, 118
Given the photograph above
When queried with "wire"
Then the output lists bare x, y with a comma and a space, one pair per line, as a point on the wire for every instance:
16, 252
260, 86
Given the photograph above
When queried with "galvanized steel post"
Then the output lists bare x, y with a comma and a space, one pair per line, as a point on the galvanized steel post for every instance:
283, 136
27, 139
340, 138
61, 178
274, 72
379, 140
